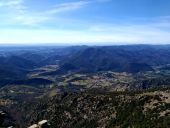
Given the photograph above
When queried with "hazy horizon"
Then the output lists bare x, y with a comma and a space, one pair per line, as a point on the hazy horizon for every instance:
72, 45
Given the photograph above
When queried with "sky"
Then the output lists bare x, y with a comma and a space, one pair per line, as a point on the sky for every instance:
91, 22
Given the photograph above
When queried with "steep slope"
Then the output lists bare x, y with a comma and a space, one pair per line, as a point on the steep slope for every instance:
14, 66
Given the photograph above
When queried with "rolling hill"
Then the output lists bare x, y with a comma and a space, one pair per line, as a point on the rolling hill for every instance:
130, 59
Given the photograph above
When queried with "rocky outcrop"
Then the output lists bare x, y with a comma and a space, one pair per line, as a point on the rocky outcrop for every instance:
41, 124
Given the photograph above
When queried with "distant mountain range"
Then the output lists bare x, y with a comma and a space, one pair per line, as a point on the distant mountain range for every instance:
132, 59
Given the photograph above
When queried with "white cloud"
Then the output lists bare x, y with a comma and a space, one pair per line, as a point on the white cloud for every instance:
155, 32
103, 1
10, 3
31, 20
13, 5
69, 6
17, 11
125, 36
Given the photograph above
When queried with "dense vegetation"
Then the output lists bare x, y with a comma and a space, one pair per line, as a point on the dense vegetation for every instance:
91, 109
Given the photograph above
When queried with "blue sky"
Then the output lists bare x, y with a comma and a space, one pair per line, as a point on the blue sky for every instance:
85, 21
